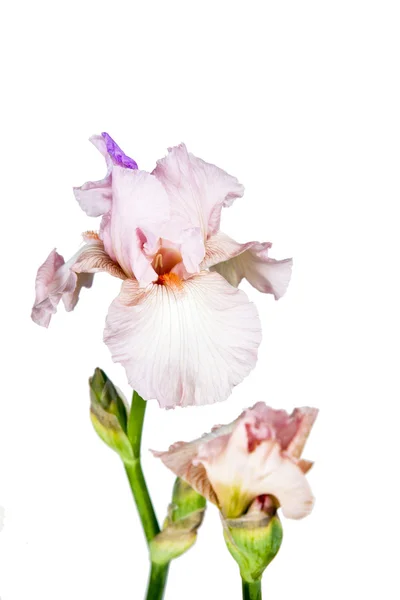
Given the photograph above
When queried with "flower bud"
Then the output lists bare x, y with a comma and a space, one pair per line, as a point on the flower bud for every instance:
254, 539
108, 414
185, 515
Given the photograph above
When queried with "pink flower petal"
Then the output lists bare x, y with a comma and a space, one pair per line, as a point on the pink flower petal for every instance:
245, 460
197, 190
94, 197
70, 299
184, 343
57, 279
140, 207
251, 261
53, 280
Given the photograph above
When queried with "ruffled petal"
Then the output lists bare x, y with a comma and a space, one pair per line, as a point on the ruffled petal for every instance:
54, 279
95, 197
184, 343
250, 261
57, 279
140, 209
198, 190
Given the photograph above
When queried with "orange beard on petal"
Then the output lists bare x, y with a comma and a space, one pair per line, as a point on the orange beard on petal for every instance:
171, 280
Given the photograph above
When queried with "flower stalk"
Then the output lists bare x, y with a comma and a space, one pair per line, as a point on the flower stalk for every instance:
251, 591
137, 482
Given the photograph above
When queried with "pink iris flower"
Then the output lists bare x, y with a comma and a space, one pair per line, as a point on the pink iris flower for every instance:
183, 331
257, 457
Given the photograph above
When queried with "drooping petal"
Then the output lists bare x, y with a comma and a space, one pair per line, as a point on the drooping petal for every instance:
140, 208
57, 279
54, 279
184, 343
250, 261
94, 197
198, 190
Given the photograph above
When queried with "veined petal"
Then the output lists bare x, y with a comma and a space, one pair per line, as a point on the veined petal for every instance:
221, 248
197, 190
140, 207
250, 261
93, 258
184, 342
57, 279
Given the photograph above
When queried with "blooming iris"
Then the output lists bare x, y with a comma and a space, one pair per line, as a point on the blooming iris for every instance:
183, 331
257, 455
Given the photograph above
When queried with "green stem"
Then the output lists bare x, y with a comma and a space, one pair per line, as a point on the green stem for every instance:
142, 499
157, 581
159, 573
251, 591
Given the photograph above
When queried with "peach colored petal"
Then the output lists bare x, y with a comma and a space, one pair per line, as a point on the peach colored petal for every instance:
185, 342
244, 460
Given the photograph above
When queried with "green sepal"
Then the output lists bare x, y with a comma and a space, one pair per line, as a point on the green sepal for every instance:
253, 541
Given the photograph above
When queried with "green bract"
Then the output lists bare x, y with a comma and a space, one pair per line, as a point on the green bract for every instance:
185, 515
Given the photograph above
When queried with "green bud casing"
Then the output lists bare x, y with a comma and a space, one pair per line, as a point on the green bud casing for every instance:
108, 413
253, 541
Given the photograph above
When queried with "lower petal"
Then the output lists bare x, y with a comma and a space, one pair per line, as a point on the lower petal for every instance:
185, 342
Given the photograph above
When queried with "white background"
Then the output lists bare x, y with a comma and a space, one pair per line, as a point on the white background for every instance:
299, 100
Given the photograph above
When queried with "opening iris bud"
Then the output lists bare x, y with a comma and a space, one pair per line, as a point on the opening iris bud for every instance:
185, 515
254, 539
108, 413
